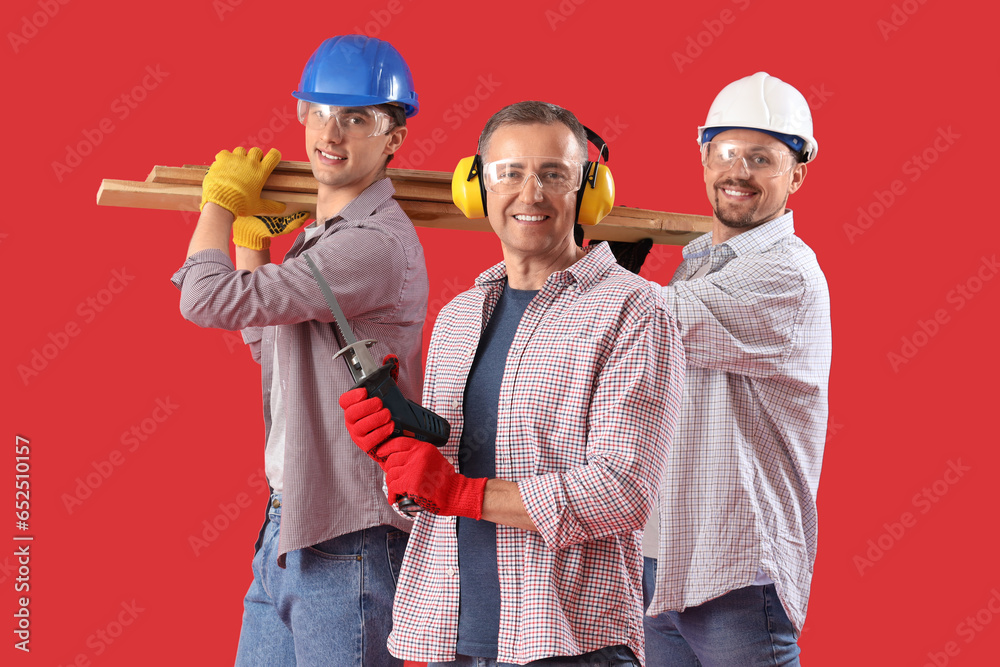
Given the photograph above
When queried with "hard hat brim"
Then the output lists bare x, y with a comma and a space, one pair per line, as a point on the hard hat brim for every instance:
410, 106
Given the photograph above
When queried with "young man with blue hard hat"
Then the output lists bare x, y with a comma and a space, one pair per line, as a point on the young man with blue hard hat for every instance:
328, 555
734, 557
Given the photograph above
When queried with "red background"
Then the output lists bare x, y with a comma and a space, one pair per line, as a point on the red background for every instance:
898, 572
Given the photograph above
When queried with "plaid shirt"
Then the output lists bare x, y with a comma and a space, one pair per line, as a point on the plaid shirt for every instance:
588, 403
740, 489
370, 255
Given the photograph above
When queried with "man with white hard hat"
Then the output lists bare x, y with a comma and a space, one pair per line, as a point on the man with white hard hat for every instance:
727, 581
327, 558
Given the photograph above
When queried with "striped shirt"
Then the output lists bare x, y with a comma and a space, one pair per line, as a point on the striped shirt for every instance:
739, 494
370, 255
588, 403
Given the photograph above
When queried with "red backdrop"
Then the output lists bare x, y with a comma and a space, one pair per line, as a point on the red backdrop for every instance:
144, 433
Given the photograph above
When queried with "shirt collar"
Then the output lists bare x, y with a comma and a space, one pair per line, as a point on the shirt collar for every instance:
585, 272
365, 203
752, 240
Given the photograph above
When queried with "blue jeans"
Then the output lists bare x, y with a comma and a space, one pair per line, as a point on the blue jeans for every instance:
331, 605
746, 627
468, 661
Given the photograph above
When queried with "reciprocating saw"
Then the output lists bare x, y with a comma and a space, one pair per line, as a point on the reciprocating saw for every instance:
409, 418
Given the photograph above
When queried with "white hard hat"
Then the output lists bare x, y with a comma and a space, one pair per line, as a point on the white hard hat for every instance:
767, 104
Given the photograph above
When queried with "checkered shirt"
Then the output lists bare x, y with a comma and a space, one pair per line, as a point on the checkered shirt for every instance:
588, 404
740, 489
370, 255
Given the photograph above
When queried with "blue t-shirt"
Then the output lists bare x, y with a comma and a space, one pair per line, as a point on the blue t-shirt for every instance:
479, 597
479, 602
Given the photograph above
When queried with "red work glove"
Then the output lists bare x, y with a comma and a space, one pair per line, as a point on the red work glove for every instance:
394, 361
419, 470
368, 422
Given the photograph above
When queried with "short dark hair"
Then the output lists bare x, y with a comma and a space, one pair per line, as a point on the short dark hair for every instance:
397, 115
531, 112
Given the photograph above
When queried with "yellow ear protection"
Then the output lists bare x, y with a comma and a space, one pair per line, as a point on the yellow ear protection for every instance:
594, 199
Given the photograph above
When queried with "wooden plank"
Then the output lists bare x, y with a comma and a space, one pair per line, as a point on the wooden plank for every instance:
180, 197
302, 167
428, 186
623, 224
424, 195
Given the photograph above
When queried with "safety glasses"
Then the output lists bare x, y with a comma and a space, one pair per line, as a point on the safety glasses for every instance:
358, 122
757, 159
553, 175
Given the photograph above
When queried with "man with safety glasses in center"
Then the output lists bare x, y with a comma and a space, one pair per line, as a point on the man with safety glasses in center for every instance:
328, 555
560, 373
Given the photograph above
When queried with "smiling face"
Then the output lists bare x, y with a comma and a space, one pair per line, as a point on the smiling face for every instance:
346, 165
742, 200
534, 223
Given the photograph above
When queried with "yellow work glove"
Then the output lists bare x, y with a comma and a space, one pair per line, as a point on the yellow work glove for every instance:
235, 180
255, 231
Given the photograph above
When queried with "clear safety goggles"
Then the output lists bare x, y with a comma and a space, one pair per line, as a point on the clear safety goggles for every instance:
356, 122
757, 159
553, 175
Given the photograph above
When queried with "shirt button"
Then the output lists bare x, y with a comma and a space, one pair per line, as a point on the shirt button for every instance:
456, 403
450, 571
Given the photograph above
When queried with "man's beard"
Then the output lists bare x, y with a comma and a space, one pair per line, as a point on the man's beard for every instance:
744, 219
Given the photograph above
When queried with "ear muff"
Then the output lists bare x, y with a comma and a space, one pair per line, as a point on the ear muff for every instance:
594, 199
467, 189
596, 195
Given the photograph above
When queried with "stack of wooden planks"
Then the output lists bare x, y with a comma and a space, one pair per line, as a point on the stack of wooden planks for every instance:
424, 195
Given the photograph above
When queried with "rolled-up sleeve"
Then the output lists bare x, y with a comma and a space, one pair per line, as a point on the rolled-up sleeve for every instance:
742, 319
252, 337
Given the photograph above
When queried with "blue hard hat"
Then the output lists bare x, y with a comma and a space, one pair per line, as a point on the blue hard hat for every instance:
355, 70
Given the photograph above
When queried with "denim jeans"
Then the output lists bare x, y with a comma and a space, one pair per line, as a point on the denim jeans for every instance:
468, 661
331, 605
746, 627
